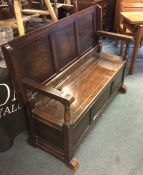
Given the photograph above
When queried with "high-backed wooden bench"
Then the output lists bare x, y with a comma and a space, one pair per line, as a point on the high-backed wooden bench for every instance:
64, 80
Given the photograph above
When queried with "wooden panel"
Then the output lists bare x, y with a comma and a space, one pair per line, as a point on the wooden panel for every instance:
117, 80
100, 102
36, 60
80, 127
42, 53
49, 134
86, 32
64, 44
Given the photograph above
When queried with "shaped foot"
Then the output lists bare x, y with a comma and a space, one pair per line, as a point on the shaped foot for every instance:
123, 89
73, 164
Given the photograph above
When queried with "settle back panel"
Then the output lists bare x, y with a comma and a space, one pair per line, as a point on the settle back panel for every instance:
42, 54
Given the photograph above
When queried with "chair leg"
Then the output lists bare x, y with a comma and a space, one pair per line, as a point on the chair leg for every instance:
18, 16
135, 51
51, 10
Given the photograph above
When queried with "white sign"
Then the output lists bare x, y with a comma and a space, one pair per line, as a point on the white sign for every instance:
13, 105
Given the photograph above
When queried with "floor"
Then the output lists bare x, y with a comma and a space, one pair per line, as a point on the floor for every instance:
113, 147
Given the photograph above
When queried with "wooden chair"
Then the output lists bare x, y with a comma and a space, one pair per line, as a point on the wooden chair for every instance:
126, 6
57, 4
129, 29
138, 41
18, 20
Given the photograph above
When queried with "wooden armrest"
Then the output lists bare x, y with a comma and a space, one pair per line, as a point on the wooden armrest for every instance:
115, 36
51, 92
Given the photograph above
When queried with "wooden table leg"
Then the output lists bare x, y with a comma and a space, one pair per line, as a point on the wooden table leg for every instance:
51, 10
136, 47
18, 15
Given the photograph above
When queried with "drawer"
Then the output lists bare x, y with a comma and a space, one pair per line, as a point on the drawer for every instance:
99, 103
80, 128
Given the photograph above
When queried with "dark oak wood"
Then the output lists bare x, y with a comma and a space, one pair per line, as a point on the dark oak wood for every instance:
115, 36
108, 7
64, 80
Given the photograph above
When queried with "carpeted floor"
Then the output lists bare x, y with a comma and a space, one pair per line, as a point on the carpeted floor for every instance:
113, 147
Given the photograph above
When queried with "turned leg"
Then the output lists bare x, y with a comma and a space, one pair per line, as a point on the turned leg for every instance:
51, 10
135, 52
123, 89
73, 164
